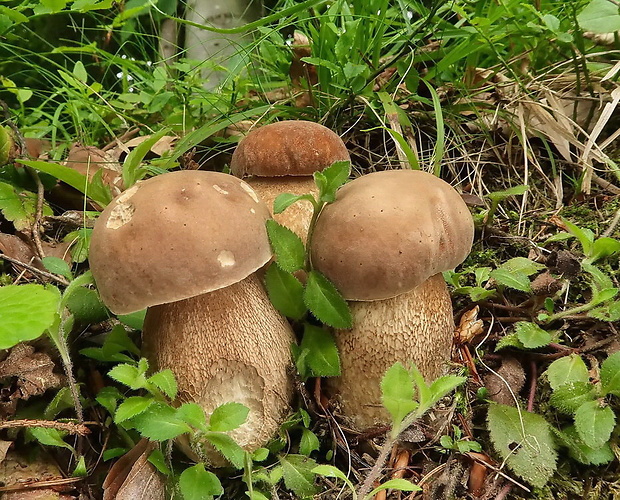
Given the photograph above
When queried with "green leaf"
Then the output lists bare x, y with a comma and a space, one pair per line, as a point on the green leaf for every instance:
583, 453
227, 447
397, 393
568, 369
444, 386
607, 312
522, 265
331, 471
133, 320
192, 414
585, 236
49, 437
79, 71
287, 246
80, 242
395, 484
517, 280
531, 335
322, 357
329, 180
599, 16
285, 200
513, 191
107, 397
165, 382
604, 247
159, 422
131, 407
132, 170
228, 416
569, 397
26, 311
127, 374
19, 206
86, 305
510, 340
298, 475
196, 483
57, 266
524, 441
308, 443
325, 302
80, 469
285, 291
610, 375
594, 423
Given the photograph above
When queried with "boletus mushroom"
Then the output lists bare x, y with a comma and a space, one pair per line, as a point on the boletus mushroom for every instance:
187, 245
384, 243
281, 158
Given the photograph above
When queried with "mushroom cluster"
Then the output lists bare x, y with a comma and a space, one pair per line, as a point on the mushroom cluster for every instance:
187, 245
281, 158
384, 243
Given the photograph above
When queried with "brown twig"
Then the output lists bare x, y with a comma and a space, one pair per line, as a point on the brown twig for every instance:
60, 279
503, 493
533, 382
41, 484
36, 233
69, 427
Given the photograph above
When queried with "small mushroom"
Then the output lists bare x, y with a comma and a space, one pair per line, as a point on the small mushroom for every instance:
187, 245
384, 243
281, 158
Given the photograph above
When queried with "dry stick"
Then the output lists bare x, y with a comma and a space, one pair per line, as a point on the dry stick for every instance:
69, 427
35, 484
533, 381
60, 279
606, 185
613, 224
36, 234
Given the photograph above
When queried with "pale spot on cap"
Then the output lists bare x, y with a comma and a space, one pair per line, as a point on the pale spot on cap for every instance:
226, 258
219, 189
122, 213
246, 187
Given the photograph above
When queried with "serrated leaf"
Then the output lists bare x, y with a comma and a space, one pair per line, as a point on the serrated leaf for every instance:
107, 397
524, 440
599, 16
285, 291
192, 414
19, 206
165, 382
608, 312
510, 340
228, 416
287, 247
126, 374
397, 393
594, 423
308, 443
298, 475
330, 179
57, 266
26, 311
196, 483
395, 484
610, 375
325, 302
583, 453
604, 247
285, 200
531, 335
131, 407
569, 397
227, 447
522, 265
159, 422
322, 357
568, 369
517, 280
444, 385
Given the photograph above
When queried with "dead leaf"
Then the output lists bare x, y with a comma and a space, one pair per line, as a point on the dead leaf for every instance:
144, 482
33, 371
303, 75
18, 249
127, 467
508, 380
88, 160
469, 326
4, 448
163, 145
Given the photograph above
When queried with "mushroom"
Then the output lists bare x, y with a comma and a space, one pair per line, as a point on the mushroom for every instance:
187, 245
281, 158
384, 243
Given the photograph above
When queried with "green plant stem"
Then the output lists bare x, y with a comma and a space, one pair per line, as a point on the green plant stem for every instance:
318, 206
570, 312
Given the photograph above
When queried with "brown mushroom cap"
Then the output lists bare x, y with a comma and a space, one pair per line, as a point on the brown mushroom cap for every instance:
387, 232
175, 236
292, 147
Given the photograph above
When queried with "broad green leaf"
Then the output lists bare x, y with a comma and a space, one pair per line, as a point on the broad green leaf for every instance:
517, 280
585, 236
26, 311
196, 483
569, 397
131, 407
329, 180
322, 357
522, 265
158, 459
80, 242
610, 375
325, 302
285, 200
260, 455
165, 382
80, 469
193, 414
395, 484
298, 475
60, 402
228, 416
49, 437
227, 447
127, 374
599, 16
57, 266
287, 247
600, 296
444, 386
87, 307
524, 441
79, 71
583, 453
19, 206
308, 443
133, 320
531, 335
607, 312
108, 397
331, 471
397, 393
510, 340
316, 61
594, 423
568, 369
159, 422
604, 247
285, 291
